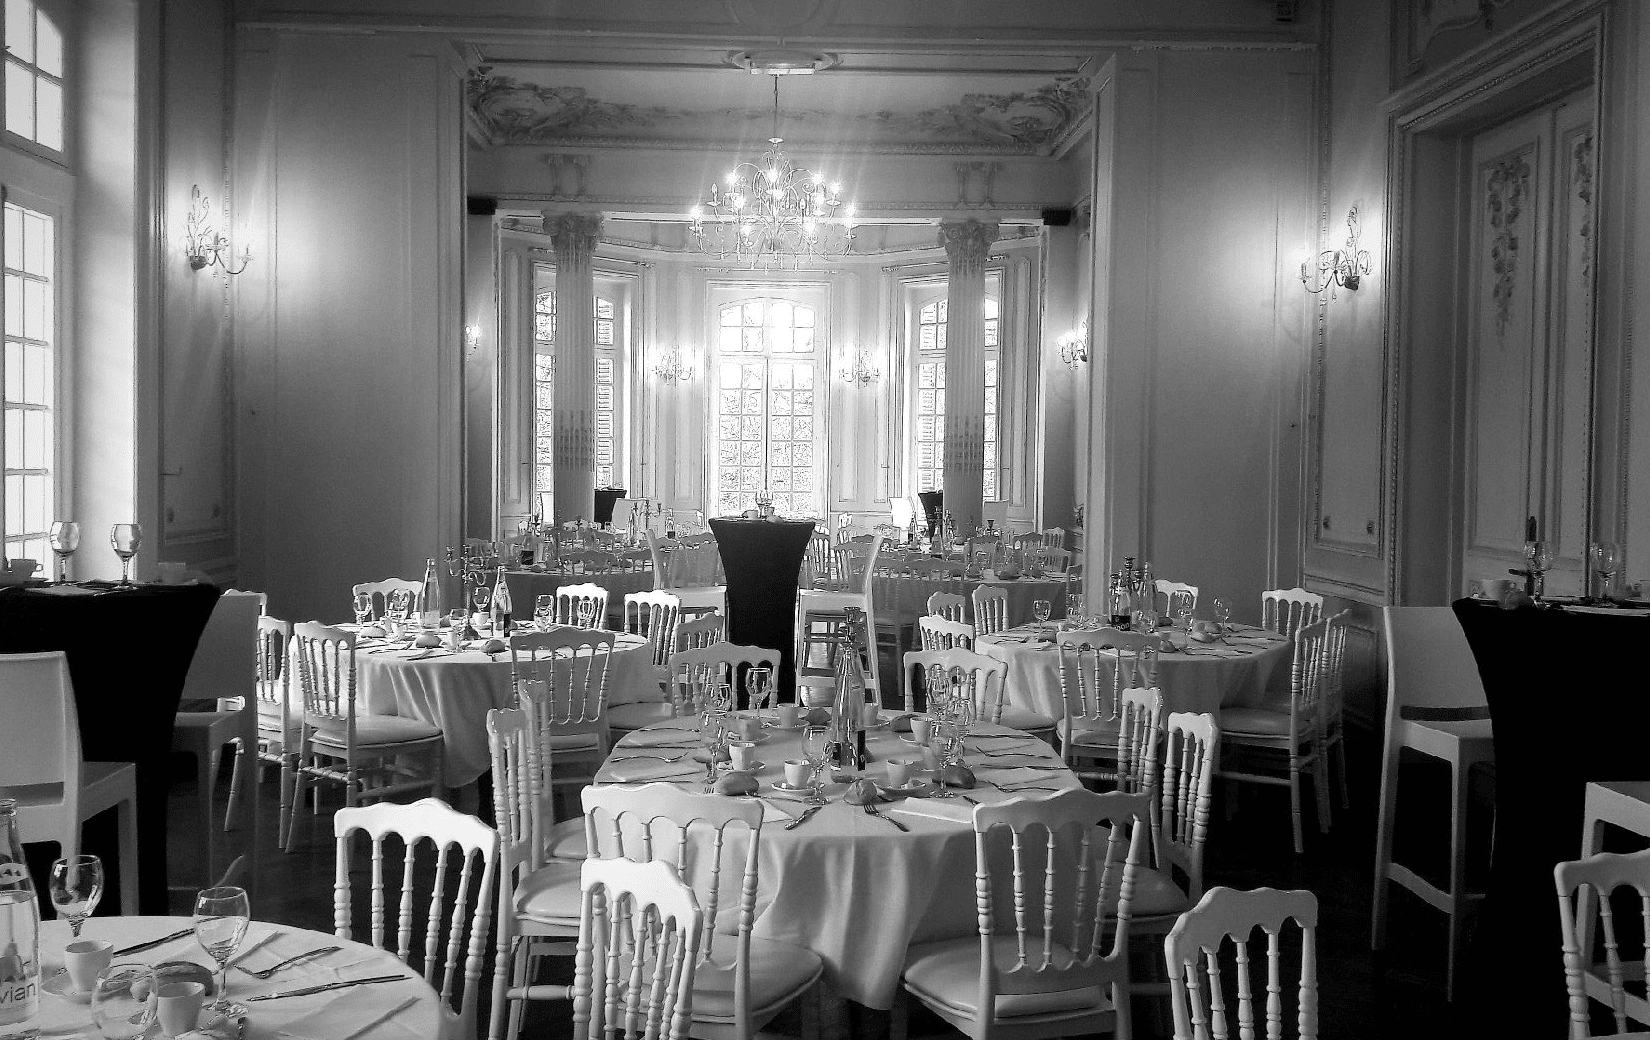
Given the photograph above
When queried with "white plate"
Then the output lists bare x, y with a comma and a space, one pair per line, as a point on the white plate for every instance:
59, 984
780, 785
912, 786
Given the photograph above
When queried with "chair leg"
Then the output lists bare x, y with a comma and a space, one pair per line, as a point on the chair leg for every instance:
300, 784
289, 780
206, 781
1340, 769
1320, 788
236, 784
1295, 799
1457, 872
126, 832
899, 1016
1384, 824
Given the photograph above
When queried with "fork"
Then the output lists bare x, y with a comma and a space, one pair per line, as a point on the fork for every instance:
268, 972
662, 758
872, 810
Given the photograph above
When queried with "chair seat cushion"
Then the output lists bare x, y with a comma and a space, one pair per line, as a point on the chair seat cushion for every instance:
1155, 893
567, 840
269, 710
1255, 722
569, 743
635, 716
1025, 719
779, 972
551, 894
947, 974
372, 729
1089, 732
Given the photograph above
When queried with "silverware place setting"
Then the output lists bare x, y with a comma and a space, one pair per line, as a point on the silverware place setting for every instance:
265, 973
807, 814
872, 810
328, 986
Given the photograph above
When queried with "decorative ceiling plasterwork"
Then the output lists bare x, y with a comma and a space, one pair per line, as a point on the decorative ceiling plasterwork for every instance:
1024, 122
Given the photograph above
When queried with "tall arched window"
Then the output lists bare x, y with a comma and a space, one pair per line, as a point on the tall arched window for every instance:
928, 404
34, 75
544, 390
767, 432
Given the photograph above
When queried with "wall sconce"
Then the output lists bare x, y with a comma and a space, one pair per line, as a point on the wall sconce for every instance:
1339, 267
862, 371
672, 369
1074, 345
204, 246
472, 338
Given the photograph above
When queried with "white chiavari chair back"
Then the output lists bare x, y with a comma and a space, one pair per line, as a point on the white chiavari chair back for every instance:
1088, 693
582, 606
1193, 951
326, 669
952, 672
700, 632
948, 605
1285, 611
1174, 593
691, 671
280, 732
990, 609
936, 633
639, 952
1586, 888
1139, 733
1053, 558
654, 616
573, 664
1054, 537
380, 592
1187, 787
453, 835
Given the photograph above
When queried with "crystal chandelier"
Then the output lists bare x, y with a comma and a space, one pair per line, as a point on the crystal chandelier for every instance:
773, 214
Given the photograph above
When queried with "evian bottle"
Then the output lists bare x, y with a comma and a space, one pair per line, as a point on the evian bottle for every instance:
19, 926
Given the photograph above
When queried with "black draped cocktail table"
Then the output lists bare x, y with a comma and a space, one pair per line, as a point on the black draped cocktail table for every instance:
762, 559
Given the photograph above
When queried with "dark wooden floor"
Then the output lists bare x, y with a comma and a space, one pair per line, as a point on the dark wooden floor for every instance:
1397, 993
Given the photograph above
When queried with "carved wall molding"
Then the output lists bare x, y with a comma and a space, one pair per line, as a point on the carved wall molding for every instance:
1504, 191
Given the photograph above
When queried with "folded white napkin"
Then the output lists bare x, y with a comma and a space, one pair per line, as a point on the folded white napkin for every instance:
652, 768
358, 1015
954, 809
262, 951
1021, 776
653, 738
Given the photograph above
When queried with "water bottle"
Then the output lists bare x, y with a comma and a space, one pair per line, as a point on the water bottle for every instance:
429, 596
501, 606
19, 926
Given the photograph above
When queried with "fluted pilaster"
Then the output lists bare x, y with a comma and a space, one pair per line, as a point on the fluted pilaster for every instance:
967, 244
574, 236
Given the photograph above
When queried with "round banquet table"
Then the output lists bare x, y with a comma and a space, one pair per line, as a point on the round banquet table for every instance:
318, 1016
1250, 669
852, 888
907, 597
527, 586
455, 692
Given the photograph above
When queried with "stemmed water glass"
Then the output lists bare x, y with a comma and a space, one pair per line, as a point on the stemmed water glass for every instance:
122, 1008
125, 538
64, 538
1041, 609
1074, 609
1184, 612
587, 613
1540, 558
1605, 558
1223, 613
481, 597
816, 746
363, 608
544, 609
76, 886
760, 683
221, 918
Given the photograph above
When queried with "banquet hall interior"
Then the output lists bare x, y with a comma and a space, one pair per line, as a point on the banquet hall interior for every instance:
1213, 419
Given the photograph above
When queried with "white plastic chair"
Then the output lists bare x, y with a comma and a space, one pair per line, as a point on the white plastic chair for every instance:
41, 767
582, 606
1435, 705
368, 754
656, 822
1050, 971
223, 670
1583, 885
380, 590
1294, 731
677, 574
1285, 611
990, 609
936, 633
432, 820
1192, 951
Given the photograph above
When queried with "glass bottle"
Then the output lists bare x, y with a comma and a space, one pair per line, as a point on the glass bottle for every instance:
501, 606
849, 703
529, 541
19, 926
429, 596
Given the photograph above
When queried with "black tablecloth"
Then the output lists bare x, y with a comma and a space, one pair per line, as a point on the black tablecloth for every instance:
1566, 697
129, 653
603, 510
762, 559
933, 509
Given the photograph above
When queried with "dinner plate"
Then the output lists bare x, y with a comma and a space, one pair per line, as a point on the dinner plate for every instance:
59, 984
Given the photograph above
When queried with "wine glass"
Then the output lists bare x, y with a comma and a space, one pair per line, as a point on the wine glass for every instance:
1540, 555
1223, 613
1041, 609
816, 745
76, 885
544, 610
120, 999
125, 538
363, 608
1605, 558
1074, 609
481, 597
221, 918
587, 613
64, 538
760, 682
1184, 612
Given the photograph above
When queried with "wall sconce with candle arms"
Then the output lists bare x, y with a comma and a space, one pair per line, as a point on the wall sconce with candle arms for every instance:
862, 372
1074, 345
1339, 268
672, 369
205, 246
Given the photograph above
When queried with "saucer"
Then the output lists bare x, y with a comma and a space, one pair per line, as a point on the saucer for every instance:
774, 724
753, 767
913, 787
882, 722
780, 785
59, 984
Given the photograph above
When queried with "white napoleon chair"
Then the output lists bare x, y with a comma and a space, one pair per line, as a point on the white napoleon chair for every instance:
951, 606
1584, 885
380, 591
280, 726
855, 571
1174, 593
990, 609
688, 570
653, 616
1192, 951
1286, 611
702, 631
692, 671
937, 633
571, 665
1096, 667
41, 768
582, 606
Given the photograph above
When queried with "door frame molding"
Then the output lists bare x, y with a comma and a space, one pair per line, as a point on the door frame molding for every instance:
1427, 124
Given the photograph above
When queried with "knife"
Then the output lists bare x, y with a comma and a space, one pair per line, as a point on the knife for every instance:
807, 814
152, 943
324, 987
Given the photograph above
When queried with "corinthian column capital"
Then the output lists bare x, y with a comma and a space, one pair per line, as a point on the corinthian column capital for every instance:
574, 234
967, 241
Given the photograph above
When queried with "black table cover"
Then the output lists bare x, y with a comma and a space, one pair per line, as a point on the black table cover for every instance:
762, 559
933, 509
1566, 697
605, 497
129, 652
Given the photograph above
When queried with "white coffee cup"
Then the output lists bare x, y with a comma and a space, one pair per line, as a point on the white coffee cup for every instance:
796, 772
922, 729
871, 714
86, 959
788, 715
899, 771
178, 1006
742, 754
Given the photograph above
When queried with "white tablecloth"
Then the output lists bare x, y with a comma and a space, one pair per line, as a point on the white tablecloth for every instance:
912, 595
852, 888
1250, 669
455, 692
339, 1012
